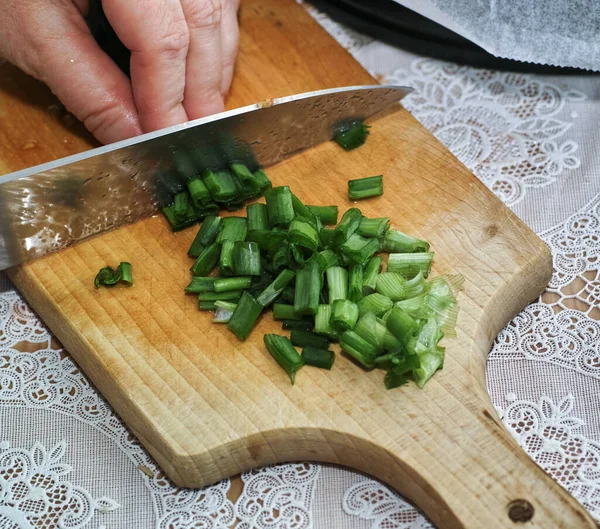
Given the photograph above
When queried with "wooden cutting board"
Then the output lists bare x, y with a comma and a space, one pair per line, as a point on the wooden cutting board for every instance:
207, 406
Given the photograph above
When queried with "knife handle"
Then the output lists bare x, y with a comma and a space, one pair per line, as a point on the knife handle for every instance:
106, 37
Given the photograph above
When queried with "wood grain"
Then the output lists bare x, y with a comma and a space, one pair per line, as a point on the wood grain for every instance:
207, 406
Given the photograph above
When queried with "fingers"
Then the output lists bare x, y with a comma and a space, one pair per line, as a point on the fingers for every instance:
204, 62
229, 43
157, 34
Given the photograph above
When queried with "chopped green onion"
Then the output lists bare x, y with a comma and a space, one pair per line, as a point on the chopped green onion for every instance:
309, 281
297, 325
396, 241
207, 260
284, 353
315, 357
370, 328
347, 226
199, 192
401, 325
337, 283
344, 315
222, 315
303, 233
191, 217
357, 347
282, 311
308, 339
226, 258
249, 181
272, 292
107, 277
326, 236
410, 264
244, 316
414, 306
358, 249
370, 274
206, 235
280, 207
415, 286
262, 179
392, 285
232, 295
373, 228
207, 305
327, 214
222, 185
269, 241
355, 282
429, 364
201, 284
301, 210
331, 259
288, 294
221, 304
234, 229
322, 319
352, 135
246, 259
375, 303
402, 366
281, 257
371, 186
320, 260
297, 255
257, 217
181, 206
232, 283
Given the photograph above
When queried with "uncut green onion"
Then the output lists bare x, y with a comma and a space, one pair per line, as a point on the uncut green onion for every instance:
355, 282
181, 206
234, 229
222, 315
331, 258
284, 353
337, 283
303, 233
249, 181
352, 135
392, 285
401, 325
322, 358
373, 228
396, 241
359, 348
327, 214
373, 330
246, 259
257, 217
222, 185
370, 274
375, 303
302, 210
282, 311
280, 207
244, 316
372, 186
410, 264
326, 236
232, 295
272, 292
297, 325
344, 315
201, 284
358, 249
268, 240
308, 339
262, 179
207, 305
198, 192
225, 284
309, 281
226, 258
347, 226
207, 260
107, 277
206, 235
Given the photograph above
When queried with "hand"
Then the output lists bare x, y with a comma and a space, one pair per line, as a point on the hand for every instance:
182, 59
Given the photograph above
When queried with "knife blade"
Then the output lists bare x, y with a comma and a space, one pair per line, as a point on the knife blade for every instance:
51, 206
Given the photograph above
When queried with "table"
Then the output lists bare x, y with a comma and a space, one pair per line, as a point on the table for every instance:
67, 460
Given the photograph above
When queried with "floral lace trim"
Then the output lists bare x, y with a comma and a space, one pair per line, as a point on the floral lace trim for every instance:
278, 497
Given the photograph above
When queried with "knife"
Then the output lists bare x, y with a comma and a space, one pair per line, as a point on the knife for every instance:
51, 206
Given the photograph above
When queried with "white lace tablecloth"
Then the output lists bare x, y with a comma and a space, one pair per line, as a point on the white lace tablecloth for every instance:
66, 460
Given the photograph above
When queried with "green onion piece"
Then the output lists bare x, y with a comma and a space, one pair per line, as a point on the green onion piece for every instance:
269, 241
207, 305
326, 214
373, 330
209, 209
440, 300
222, 185
296, 255
107, 277
226, 284
207, 260
370, 275
429, 363
272, 292
309, 281
234, 229
199, 192
352, 135
280, 207
402, 367
234, 205
232, 295
284, 353
308, 339
176, 224
297, 325
401, 325
244, 316
390, 342
414, 307
358, 249
262, 179
246, 259
201, 284
415, 286
392, 285
360, 188
331, 258
410, 264
337, 283
303, 233
396, 241
288, 294
226, 258
320, 260
221, 304
347, 226
257, 217
315, 357
358, 348
326, 236
281, 257
355, 282
344, 315
282, 311
249, 182
181, 206
222, 315
322, 319
301, 210
375, 303
206, 235
373, 228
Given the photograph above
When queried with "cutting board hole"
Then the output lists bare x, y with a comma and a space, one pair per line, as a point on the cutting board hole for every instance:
520, 511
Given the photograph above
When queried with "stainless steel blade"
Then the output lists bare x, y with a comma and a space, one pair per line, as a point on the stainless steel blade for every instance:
48, 207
